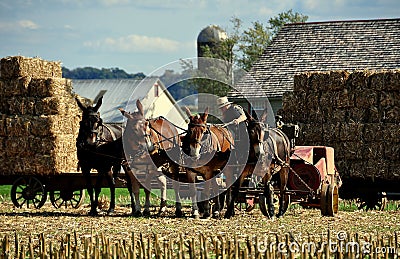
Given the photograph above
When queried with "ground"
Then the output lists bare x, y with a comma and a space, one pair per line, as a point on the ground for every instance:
298, 222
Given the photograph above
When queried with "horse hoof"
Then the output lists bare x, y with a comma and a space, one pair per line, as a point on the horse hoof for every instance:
93, 213
216, 215
162, 212
146, 213
137, 213
178, 214
229, 215
195, 214
206, 215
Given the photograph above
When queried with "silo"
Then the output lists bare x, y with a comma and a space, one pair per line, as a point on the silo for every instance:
211, 36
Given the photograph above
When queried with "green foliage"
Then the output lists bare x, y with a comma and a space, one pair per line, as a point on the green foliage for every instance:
95, 73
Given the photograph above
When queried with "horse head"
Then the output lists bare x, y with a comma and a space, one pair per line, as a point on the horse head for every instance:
91, 123
137, 131
197, 128
257, 130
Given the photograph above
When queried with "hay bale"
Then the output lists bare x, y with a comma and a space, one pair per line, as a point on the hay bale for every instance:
359, 80
373, 115
301, 82
48, 87
391, 114
318, 81
351, 131
331, 132
373, 132
390, 132
337, 80
365, 98
391, 151
389, 98
18, 66
372, 150
386, 80
19, 105
15, 86
392, 80
344, 99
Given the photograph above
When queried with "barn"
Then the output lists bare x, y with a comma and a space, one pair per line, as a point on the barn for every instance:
318, 46
123, 93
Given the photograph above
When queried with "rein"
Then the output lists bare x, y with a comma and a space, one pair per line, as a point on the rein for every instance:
165, 138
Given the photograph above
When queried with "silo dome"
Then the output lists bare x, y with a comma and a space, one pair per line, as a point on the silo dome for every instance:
212, 33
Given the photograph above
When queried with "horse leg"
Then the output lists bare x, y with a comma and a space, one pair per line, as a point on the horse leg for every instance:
206, 202
178, 203
130, 179
147, 191
234, 192
162, 182
269, 194
217, 200
89, 187
111, 184
283, 174
97, 191
193, 193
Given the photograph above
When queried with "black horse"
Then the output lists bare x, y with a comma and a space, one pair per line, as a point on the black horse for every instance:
100, 147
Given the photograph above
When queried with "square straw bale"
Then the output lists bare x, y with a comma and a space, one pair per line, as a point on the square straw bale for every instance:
15, 86
50, 87
301, 82
17, 66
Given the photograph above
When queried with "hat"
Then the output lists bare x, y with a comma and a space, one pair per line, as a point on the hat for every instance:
223, 101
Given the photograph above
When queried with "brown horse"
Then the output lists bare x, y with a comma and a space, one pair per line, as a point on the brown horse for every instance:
153, 142
269, 154
210, 146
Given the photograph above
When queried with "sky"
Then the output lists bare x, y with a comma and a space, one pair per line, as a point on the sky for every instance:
144, 35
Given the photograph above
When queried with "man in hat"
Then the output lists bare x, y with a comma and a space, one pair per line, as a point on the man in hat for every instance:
231, 113
235, 117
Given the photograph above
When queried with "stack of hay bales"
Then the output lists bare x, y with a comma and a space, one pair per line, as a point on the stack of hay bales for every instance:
357, 113
39, 119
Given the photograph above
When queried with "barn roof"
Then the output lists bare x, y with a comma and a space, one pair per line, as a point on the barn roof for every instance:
117, 93
322, 46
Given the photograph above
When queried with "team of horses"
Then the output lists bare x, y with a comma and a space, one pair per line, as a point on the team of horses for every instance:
203, 149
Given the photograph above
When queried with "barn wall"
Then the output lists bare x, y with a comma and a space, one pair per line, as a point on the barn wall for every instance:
357, 113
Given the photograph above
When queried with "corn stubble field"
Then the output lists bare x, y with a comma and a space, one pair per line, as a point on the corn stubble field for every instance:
70, 233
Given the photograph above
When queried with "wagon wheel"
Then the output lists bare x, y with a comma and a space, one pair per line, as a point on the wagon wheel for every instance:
68, 198
329, 200
26, 190
377, 202
263, 202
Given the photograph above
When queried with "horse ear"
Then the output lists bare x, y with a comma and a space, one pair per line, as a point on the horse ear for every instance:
205, 115
98, 104
264, 115
188, 112
80, 105
122, 111
140, 107
125, 113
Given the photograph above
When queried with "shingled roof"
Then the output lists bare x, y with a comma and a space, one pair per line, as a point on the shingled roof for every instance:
322, 46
